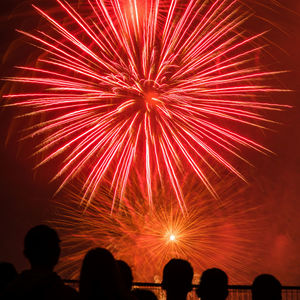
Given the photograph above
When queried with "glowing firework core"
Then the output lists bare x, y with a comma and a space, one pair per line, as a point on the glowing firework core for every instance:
150, 98
172, 237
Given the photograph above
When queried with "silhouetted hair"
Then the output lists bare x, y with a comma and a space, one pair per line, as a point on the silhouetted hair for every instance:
99, 276
266, 287
143, 294
41, 246
126, 274
213, 284
177, 276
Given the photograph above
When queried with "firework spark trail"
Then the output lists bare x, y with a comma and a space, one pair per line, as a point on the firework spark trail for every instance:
123, 82
147, 237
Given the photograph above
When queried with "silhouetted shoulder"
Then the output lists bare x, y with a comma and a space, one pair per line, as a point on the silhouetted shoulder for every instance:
8, 274
143, 294
34, 284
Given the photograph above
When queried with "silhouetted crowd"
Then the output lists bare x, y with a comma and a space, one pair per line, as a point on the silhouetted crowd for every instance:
104, 278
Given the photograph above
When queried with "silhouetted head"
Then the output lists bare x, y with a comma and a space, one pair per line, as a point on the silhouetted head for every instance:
99, 276
8, 273
142, 294
126, 274
177, 277
266, 287
213, 285
41, 247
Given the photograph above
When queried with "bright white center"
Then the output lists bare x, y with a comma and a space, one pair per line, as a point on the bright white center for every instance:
172, 237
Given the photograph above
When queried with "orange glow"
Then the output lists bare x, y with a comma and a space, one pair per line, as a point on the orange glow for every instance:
210, 233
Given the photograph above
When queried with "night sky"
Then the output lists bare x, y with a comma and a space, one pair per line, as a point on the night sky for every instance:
27, 195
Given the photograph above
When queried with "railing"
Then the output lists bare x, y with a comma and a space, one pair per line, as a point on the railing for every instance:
236, 292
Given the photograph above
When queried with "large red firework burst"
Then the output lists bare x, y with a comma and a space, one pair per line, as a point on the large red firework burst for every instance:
209, 234
155, 85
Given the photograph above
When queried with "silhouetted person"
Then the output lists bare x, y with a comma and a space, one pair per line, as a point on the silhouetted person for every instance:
213, 285
177, 279
266, 287
8, 274
143, 294
126, 274
100, 277
41, 248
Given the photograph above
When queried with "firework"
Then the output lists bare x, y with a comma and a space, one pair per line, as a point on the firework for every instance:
158, 86
208, 235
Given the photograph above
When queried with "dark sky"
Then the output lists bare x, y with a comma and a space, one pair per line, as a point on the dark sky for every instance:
26, 195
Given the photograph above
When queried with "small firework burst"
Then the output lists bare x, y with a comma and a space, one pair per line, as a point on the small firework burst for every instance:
208, 234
